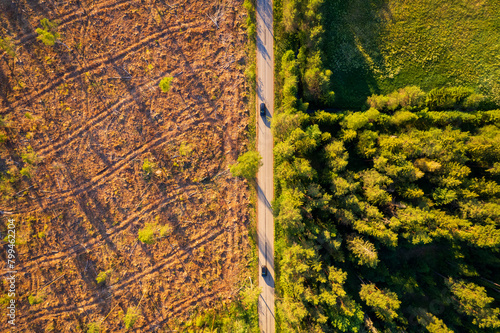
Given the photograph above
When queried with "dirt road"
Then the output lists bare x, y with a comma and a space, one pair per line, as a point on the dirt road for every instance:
265, 222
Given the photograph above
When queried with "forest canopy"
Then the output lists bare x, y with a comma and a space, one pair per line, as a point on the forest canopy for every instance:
380, 215
387, 219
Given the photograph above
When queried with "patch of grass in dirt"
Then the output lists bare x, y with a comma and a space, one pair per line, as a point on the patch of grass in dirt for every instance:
131, 317
152, 231
247, 315
379, 46
94, 328
37, 298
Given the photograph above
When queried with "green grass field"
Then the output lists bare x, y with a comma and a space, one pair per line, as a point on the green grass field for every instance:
377, 46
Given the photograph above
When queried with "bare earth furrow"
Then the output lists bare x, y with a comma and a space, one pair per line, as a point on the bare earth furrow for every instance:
78, 249
121, 288
95, 66
70, 17
89, 125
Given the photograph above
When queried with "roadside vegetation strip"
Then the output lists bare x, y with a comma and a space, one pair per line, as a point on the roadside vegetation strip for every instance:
251, 70
298, 67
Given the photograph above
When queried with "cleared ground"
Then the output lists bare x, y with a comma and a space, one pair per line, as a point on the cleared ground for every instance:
92, 112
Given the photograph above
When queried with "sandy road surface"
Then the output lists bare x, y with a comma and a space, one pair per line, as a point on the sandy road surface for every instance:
265, 222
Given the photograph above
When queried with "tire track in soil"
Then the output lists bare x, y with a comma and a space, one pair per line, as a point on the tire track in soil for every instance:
118, 289
102, 177
101, 62
51, 148
183, 308
71, 16
79, 248
122, 164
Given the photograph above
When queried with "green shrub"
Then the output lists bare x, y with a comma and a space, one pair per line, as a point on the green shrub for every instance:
251, 75
165, 84
248, 165
409, 98
476, 102
148, 168
36, 299
94, 328
448, 98
101, 277
131, 317
147, 234
152, 231
249, 5
26, 171
185, 149
30, 157
5, 299
48, 35
412, 96
8, 46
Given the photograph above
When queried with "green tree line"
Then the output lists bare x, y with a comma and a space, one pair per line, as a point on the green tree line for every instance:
382, 215
387, 220
302, 32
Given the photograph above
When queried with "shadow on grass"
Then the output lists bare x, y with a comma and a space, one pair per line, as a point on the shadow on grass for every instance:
350, 46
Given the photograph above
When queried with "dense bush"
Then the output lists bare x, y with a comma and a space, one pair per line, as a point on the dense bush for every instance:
446, 98
408, 98
453, 98
248, 165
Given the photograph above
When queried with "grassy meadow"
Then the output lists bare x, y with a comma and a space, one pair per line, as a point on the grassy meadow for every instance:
378, 46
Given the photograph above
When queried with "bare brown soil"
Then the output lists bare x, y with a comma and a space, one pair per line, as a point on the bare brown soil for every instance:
95, 113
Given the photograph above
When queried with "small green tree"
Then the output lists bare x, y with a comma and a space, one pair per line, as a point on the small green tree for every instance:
248, 165
165, 84
432, 323
364, 251
8, 46
48, 35
131, 317
94, 328
102, 277
148, 233
385, 303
